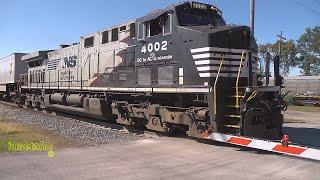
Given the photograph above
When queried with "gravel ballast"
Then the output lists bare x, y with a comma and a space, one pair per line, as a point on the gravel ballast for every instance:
83, 133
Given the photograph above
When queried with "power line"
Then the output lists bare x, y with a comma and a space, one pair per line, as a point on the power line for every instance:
301, 4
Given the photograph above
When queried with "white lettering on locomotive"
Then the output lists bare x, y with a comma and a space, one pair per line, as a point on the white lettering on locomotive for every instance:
155, 47
69, 62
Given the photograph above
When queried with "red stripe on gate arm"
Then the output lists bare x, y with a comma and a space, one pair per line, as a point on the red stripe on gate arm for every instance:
289, 149
240, 141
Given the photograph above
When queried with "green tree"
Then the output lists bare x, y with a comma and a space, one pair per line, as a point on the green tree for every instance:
288, 55
309, 51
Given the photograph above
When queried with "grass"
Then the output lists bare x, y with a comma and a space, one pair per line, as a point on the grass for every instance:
290, 120
20, 133
304, 108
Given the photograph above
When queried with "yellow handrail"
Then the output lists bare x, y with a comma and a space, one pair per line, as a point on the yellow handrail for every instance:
237, 83
214, 87
252, 95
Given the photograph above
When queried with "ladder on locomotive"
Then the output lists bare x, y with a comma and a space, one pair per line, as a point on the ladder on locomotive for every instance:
231, 118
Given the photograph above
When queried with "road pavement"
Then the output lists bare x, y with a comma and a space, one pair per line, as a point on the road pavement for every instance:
156, 158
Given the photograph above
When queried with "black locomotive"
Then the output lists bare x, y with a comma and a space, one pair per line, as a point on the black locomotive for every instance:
179, 67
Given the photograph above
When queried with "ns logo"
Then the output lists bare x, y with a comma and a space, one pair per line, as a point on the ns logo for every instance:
69, 62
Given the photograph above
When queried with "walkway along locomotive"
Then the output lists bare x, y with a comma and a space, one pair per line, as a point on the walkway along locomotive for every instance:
179, 67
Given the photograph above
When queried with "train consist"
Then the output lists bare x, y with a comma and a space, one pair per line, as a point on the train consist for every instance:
179, 67
11, 67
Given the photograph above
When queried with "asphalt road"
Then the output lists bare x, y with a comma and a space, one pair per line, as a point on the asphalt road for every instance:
156, 158
305, 133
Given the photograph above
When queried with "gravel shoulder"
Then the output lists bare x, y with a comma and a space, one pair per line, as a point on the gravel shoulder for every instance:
83, 133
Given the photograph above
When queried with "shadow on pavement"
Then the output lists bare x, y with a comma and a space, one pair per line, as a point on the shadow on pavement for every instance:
304, 136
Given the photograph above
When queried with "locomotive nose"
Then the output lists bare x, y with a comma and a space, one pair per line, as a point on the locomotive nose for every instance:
236, 37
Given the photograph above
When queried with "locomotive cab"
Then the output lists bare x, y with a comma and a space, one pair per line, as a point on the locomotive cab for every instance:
225, 58
190, 45
155, 50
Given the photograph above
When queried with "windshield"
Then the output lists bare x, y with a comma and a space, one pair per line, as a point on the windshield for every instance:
188, 16
187, 19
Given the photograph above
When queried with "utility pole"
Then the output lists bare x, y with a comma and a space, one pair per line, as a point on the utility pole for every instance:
267, 68
281, 38
252, 6
278, 80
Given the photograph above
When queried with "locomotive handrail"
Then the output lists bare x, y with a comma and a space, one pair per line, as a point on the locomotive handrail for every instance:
237, 82
215, 87
44, 82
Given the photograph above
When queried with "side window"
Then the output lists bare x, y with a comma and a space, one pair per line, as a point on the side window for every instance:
167, 24
123, 28
158, 26
132, 30
115, 34
105, 37
88, 42
141, 29
155, 27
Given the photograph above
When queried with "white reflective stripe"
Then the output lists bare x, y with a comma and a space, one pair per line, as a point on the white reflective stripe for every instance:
167, 90
3, 88
260, 144
180, 71
213, 55
206, 49
182, 90
311, 153
225, 62
208, 68
181, 80
143, 89
268, 145
219, 137
220, 75
111, 89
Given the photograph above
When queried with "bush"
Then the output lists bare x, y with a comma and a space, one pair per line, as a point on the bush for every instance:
290, 99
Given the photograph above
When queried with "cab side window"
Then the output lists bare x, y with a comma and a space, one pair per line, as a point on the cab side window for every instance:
155, 27
167, 24
159, 26
141, 30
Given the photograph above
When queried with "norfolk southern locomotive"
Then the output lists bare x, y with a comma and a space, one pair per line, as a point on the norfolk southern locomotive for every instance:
179, 67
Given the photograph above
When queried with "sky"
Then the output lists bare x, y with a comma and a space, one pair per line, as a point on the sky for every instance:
32, 25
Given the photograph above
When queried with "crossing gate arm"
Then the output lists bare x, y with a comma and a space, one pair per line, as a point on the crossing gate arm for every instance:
292, 150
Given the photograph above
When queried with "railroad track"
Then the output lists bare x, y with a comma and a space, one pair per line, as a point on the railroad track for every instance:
97, 123
122, 132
